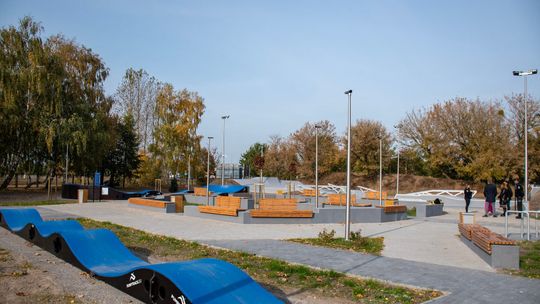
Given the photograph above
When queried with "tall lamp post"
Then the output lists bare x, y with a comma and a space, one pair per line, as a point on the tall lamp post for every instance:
380, 169
525, 129
348, 208
208, 173
317, 127
189, 167
224, 117
398, 152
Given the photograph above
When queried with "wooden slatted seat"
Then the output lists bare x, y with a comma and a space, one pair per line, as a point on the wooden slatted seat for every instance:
374, 195
341, 200
485, 238
394, 208
269, 207
225, 205
310, 192
147, 202
200, 191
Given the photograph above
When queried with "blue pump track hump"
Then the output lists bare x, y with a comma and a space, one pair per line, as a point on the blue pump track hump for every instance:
102, 254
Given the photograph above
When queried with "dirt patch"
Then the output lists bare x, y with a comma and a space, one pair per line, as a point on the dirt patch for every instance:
23, 283
407, 182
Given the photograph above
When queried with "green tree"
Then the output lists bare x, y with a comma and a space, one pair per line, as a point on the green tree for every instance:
178, 115
365, 147
123, 160
248, 158
303, 142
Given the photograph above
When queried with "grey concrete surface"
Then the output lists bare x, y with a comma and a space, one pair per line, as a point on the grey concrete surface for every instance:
462, 285
502, 257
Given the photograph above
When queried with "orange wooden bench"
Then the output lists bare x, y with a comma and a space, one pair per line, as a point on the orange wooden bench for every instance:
200, 191
341, 200
269, 207
147, 202
374, 195
225, 205
310, 192
394, 208
485, 238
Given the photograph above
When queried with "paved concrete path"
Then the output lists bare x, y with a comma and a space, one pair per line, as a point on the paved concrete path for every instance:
423, 253
463, 285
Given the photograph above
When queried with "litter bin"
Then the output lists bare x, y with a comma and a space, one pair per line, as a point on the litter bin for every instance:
178, 201
82, 196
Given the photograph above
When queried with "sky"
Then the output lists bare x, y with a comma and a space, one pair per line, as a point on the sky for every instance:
275, 65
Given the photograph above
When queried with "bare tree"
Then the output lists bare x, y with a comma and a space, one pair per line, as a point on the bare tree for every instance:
137, 95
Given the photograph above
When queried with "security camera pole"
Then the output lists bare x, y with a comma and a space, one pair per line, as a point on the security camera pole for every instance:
208, 173
348, 211
525, 131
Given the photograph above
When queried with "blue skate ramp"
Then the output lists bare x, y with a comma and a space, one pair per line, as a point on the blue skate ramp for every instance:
226, 189
101, 253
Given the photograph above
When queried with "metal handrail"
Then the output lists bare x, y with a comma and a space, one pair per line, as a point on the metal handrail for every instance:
525, 213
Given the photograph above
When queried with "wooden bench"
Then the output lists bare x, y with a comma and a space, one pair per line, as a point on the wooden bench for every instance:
485, 238
168, 207
310, 192
286, 208
341, 200
394, 208
374, 195
200, 191
225, 205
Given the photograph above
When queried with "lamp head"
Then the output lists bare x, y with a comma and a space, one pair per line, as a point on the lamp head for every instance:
348, 92
225, 117
525, 73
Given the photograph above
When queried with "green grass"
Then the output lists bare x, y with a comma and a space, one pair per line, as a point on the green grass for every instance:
411, 212
364, 245
529, 259
276, 275
38, 203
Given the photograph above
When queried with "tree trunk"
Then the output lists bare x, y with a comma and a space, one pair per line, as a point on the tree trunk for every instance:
8, 178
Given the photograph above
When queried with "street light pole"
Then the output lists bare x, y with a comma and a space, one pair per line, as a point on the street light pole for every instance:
348, 208
208, 173
189, 168
397, 179
525, 131
317, 127
223, 151
380, 170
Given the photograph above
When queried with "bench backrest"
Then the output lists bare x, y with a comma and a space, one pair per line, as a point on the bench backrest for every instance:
277, 204
228, 202
374, 195
309, 192
199, 191
340, 199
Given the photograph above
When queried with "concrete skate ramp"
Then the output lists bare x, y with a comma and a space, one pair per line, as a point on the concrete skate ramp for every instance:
102, 254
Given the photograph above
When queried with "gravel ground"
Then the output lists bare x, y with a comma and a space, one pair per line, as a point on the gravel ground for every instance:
49, 279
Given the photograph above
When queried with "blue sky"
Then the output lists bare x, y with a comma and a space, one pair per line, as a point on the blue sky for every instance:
274, 65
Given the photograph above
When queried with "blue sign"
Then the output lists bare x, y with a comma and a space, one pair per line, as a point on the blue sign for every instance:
97, 179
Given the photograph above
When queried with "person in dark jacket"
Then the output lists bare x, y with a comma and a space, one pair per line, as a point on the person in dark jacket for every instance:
504, 197
490, 193
467, 194
518, 190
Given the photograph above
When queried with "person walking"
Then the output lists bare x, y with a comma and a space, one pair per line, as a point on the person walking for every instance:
519, 194
467, 194
504, 197
490, 193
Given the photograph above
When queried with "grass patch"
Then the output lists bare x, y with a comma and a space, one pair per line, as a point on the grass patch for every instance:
529, 260
275, 274
356, 243
411, 212
38, 203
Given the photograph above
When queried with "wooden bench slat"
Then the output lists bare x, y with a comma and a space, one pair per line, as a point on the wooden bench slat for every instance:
279, 208
146, 202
